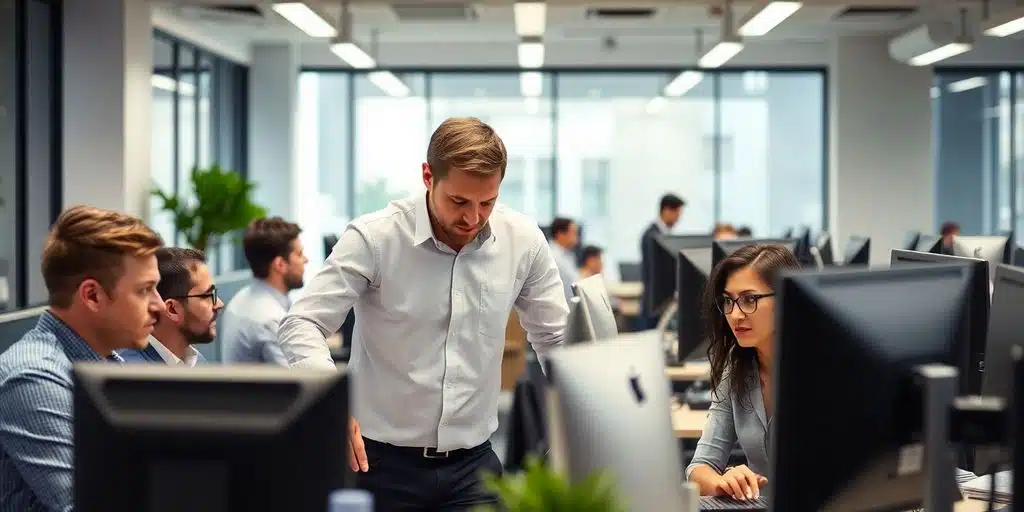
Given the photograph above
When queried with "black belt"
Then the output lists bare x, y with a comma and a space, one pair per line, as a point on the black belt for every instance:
425, 452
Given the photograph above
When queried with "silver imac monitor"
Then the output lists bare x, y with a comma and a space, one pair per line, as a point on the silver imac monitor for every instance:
576, 328
596, 307
993, 249
609, 411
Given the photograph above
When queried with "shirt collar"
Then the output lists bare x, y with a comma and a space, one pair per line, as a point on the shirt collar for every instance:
424, 231
281, 298
75, 347
662, 226
191, 355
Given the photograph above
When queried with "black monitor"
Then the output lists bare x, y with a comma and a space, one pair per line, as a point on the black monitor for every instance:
723, 248
660, 281
1017, 422
978, 314
802, 250
330, 241
910, 241
847, 345
787, 233
1004, 328
209, 438
824, 246
993, 249
692, 270
857, 251
929, 243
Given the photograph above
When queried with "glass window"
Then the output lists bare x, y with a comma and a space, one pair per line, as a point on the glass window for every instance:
619, 150
188, 125
770, 150
1018, 159
323, 139
391, 139
204, 115
525, 125
164, 87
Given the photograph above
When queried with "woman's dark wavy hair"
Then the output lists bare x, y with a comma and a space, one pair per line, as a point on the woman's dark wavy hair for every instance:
727, 357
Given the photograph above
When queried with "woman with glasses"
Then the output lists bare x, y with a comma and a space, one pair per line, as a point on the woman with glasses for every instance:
739, 313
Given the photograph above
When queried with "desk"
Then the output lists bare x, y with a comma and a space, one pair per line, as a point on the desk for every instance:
628, 294
689, 372
687, 423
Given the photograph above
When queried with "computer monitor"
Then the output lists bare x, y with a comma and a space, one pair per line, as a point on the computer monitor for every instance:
329, 242
787, 233
856, 394
209, 438
577, 329
721, 249
692, 270
824, 246
857, 251
929, 243
973, 347
802, 250
910, 241
993, 249
630, 272
609, 411
660, 281
596, 307
1003, 334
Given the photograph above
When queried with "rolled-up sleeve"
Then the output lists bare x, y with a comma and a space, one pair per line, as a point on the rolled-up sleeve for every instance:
36, 433
719, 435
541, 304
328, 297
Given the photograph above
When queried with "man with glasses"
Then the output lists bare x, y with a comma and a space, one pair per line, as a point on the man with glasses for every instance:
249, 327
191, 308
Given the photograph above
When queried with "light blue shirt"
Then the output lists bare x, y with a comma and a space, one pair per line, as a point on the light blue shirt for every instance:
565, 260
430, 322
36, 449
248, 326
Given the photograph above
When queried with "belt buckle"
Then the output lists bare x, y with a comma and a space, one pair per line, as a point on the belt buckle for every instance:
432, 453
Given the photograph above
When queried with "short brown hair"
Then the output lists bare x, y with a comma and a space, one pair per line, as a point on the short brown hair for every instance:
467, 144
90, 243
266, 239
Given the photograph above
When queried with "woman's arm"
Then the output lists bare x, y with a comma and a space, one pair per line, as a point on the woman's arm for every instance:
715, 445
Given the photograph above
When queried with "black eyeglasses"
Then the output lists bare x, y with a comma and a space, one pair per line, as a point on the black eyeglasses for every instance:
746, 302
212, 295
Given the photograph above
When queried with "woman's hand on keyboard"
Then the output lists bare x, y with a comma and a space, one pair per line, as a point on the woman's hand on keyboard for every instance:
741, 483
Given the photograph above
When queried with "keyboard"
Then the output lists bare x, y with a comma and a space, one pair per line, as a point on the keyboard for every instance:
717, 503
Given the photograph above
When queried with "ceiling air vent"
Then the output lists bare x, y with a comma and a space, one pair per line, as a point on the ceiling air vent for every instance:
234, 13
855, 13
444, 11
620, 13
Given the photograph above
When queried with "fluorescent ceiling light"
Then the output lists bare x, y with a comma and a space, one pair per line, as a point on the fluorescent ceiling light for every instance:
531, 54
1004, 23
306, 19
352, 54
166, 83
764, 18
531, 84
656, 104
941, 53
389, 83
929, 43
682, 83
719, 54
530, 18
967, 84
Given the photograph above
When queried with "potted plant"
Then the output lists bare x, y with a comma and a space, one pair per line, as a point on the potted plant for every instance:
541, 489
221, 203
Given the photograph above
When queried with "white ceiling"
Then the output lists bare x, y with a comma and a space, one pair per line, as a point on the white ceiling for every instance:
668, 38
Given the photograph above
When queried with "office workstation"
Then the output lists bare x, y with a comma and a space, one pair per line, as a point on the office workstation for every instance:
822, 138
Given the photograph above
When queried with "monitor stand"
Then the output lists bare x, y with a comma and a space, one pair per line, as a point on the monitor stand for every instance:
939, 383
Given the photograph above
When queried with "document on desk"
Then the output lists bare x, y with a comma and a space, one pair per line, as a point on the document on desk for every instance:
979, 487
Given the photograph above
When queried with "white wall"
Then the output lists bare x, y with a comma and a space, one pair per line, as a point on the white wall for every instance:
107, 100
881, 177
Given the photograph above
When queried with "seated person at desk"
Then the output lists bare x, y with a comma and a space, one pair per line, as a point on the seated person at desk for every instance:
591, 261
101, 277
724, 231
739, 308
190, 313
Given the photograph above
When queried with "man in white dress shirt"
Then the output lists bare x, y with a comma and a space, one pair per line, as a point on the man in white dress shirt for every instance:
191, 307
433, 279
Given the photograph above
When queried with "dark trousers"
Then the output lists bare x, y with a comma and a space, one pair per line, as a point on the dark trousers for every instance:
403, 479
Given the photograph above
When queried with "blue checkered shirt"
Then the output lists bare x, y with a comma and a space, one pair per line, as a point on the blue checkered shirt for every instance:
36, 448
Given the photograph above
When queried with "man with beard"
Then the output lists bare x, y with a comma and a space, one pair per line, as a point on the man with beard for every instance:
249, 326
190, 310
432, 279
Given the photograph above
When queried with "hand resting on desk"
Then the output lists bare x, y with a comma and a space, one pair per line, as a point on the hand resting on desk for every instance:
740, 483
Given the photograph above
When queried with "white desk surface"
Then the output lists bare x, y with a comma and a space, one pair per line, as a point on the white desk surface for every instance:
689, 372
687, 423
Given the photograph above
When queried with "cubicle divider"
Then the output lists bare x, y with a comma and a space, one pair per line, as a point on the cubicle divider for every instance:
14, 325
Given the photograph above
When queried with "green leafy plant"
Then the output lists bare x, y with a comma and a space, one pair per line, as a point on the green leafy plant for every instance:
542, 489
221, 203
